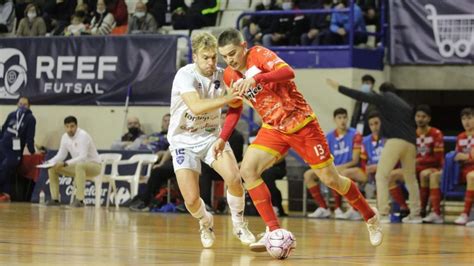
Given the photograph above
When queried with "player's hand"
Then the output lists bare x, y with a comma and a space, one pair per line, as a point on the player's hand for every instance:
371, 169
232, 95
218, 148
461, 157
243, 85
333, 84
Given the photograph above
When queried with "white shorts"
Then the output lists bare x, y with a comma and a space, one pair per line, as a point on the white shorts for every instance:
191, 157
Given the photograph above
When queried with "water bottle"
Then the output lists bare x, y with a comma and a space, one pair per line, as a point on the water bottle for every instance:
41, 197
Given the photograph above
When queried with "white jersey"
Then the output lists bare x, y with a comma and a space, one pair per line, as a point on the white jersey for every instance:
186, 129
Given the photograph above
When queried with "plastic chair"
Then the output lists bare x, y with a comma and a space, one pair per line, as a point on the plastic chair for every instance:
140, 160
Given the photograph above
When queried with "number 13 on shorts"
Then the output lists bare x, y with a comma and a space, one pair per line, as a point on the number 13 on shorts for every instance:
319, 150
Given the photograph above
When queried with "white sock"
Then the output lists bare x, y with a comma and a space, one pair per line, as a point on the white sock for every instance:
236, 205
202, 215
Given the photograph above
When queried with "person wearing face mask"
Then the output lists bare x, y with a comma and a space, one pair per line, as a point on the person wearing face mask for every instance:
133, 138
142, 21
103, 21
362, 109
17, 132
32, 24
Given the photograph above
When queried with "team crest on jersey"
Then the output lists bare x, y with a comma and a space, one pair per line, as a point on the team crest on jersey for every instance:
251, 94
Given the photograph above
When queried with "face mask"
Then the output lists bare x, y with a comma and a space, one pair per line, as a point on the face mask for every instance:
22, 109
286, 6
31, 15
365, 88
134, 131
139, 14
100, 11
267, 3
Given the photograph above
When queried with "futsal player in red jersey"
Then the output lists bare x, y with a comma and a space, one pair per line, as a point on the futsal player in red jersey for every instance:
429, 163
266, 84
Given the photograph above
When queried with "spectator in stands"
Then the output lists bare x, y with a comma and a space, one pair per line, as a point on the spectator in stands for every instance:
369, 9
77, 26
118, 9
84, 162
32, 24
429, 162
17, 132
318, 23
286, 29
7, 16
57, 14
398, 127
161, 172
201, 13
236, 141
361, 109
154, 142
133, 138
340, 26
103, 21
260, 25
164, 10
84, 8
464, 151
142, 21
345, 144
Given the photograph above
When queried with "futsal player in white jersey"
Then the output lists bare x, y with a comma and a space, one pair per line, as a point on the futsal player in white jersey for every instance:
197, 96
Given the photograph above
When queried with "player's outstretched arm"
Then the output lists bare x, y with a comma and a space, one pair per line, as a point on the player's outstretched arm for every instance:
199, 106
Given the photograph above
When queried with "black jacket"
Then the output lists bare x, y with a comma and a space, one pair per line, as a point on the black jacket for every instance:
26, 133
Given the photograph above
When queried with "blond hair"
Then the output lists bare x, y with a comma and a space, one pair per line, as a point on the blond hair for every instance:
203, 40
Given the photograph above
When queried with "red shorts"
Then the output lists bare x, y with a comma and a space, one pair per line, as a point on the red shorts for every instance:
309, 143
464, 171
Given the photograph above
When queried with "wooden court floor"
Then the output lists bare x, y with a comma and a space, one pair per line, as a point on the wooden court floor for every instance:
37, 235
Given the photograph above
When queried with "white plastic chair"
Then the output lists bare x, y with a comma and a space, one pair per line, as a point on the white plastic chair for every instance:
141, 160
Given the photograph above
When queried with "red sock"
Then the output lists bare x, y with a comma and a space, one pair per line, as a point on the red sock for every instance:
262, 200
468, 201
424, 194
318, 198
337, 199
397, 195
358, 201
435, 196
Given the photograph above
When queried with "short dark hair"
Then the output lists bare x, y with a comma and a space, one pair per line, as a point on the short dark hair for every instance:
373, 114
70, 119
339, 111
368, 77
468, 111
388, 87
26, 98
230, 36
423, 108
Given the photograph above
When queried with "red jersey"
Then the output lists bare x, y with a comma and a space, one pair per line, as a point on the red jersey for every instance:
464, 144
280, 105
430, 149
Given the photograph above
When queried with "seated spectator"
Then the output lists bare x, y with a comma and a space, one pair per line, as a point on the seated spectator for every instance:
164, 10
340, 26
142, 21
103, 21
7, 16
286, 29
345, 145
77, 26
259, 25
57, 15
32, 24
318, 23
201, 13
154, 142
464, 151
118, 9
132, 139
84, 162
84, 8
17, 132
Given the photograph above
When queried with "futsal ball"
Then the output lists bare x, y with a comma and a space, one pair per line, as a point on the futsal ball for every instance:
280, 243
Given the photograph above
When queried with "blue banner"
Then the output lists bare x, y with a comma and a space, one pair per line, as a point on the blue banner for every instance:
431, 32
91, 70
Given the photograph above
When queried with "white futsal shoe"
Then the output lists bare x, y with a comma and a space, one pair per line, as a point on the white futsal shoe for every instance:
320, 213
375, 229
352, 215
339, 214
462, 219
207, 233
242, 232
259, 246
433, 218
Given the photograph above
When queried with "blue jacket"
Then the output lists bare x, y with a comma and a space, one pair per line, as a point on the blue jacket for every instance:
341, 20
26, 133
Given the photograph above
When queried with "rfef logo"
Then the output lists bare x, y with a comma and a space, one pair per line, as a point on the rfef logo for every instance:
12, 73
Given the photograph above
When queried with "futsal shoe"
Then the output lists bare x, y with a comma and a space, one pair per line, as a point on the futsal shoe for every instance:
433, 218
338, 214
375, 229
470, 224
462, 219
320, 213
352, 215
412, 219
242, 232
259, 246
207, 233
